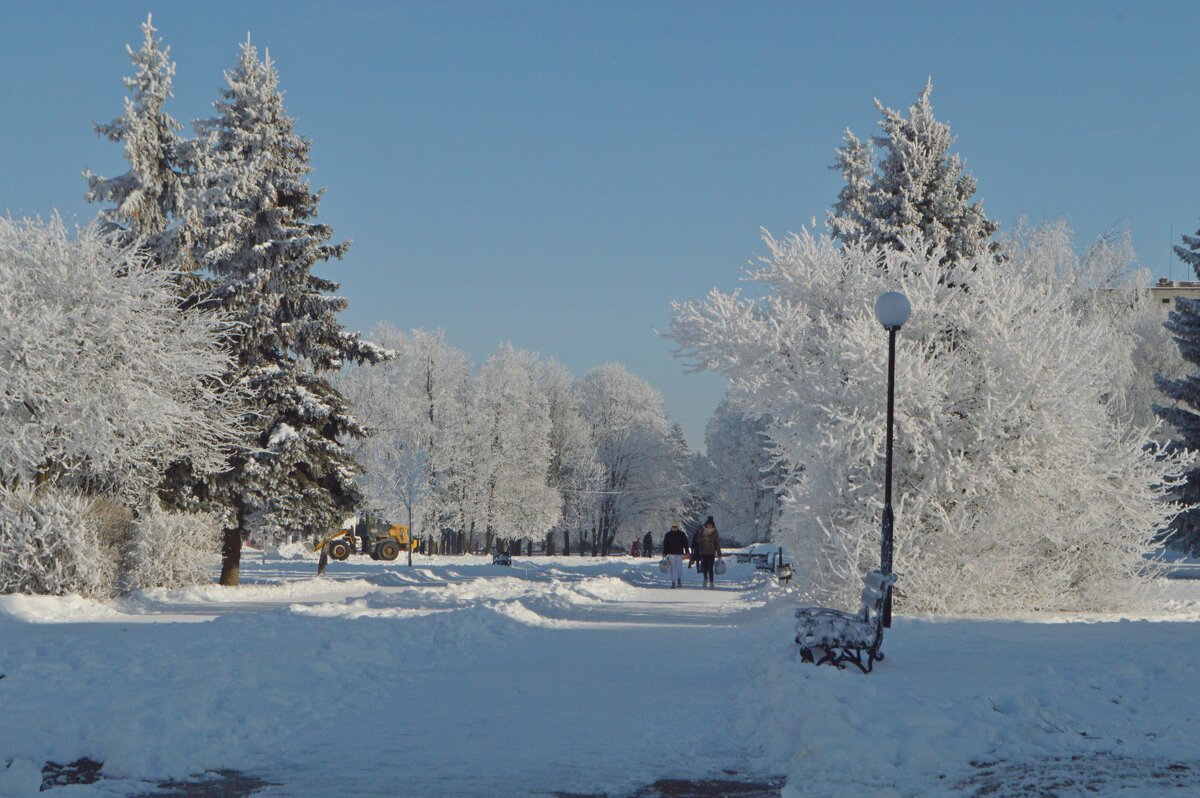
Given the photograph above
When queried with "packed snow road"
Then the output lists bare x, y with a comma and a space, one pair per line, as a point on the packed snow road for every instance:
459, 678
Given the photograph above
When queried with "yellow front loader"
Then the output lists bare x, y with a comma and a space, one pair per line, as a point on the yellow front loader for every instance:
377, 542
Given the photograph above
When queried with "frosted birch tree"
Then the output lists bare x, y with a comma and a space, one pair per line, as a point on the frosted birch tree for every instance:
510, 428
745, 476
388, 399
291, 475
1017, 486
642, 486
573, 470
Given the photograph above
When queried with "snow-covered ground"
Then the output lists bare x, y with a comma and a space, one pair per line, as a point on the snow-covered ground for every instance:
460, 678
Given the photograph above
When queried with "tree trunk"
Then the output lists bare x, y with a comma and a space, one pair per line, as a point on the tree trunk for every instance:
595, 543
231, 555
529, 548
566, 543
550, 543
489, 539
324, 560
410, 535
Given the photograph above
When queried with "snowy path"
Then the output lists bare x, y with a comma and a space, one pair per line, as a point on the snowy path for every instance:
459, 678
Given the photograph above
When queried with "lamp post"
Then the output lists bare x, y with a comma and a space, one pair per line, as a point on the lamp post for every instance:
892, 310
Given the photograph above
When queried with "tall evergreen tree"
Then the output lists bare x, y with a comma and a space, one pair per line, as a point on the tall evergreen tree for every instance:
146, 199
851, 213
1184, 414
918, 186
259, 244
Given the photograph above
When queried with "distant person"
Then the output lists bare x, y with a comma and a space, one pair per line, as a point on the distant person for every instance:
648, 544
707, 549
674, 546
634, 551
695, 556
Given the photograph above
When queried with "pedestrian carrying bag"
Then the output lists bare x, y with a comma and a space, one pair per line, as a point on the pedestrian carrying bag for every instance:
664, 565
719, 567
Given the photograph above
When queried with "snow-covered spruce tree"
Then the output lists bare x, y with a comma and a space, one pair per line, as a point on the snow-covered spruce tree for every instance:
1016, 487
745, 477
917, 186
510, 426
145, 200
1183, 414
259, 246
642, 486
851, 219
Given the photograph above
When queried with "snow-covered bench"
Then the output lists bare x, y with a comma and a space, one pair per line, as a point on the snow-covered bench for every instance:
846, 637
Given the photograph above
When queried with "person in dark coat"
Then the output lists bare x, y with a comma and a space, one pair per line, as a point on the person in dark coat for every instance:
648, 544
675, 545
707, 549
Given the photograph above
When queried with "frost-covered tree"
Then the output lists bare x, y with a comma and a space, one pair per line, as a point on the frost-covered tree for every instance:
259, 244
144, 202
573, 470
1183, 414
1107, 285
745, 477
440, 377
388, 399
511, 494
1017, 486
918, 187
104, 379
642, 486
851, 218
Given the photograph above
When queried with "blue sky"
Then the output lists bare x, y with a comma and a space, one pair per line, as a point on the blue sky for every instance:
553, 174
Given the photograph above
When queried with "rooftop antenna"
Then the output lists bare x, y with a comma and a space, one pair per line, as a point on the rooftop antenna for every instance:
1170, 252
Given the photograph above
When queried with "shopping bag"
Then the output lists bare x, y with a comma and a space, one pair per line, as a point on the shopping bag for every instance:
664, 565
719, 567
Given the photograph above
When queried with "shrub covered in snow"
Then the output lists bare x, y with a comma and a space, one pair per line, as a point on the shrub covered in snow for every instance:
168, 549
50, 544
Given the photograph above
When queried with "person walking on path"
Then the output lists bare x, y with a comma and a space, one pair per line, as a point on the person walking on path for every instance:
648, 544
674, 546
633, 549
708, 549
